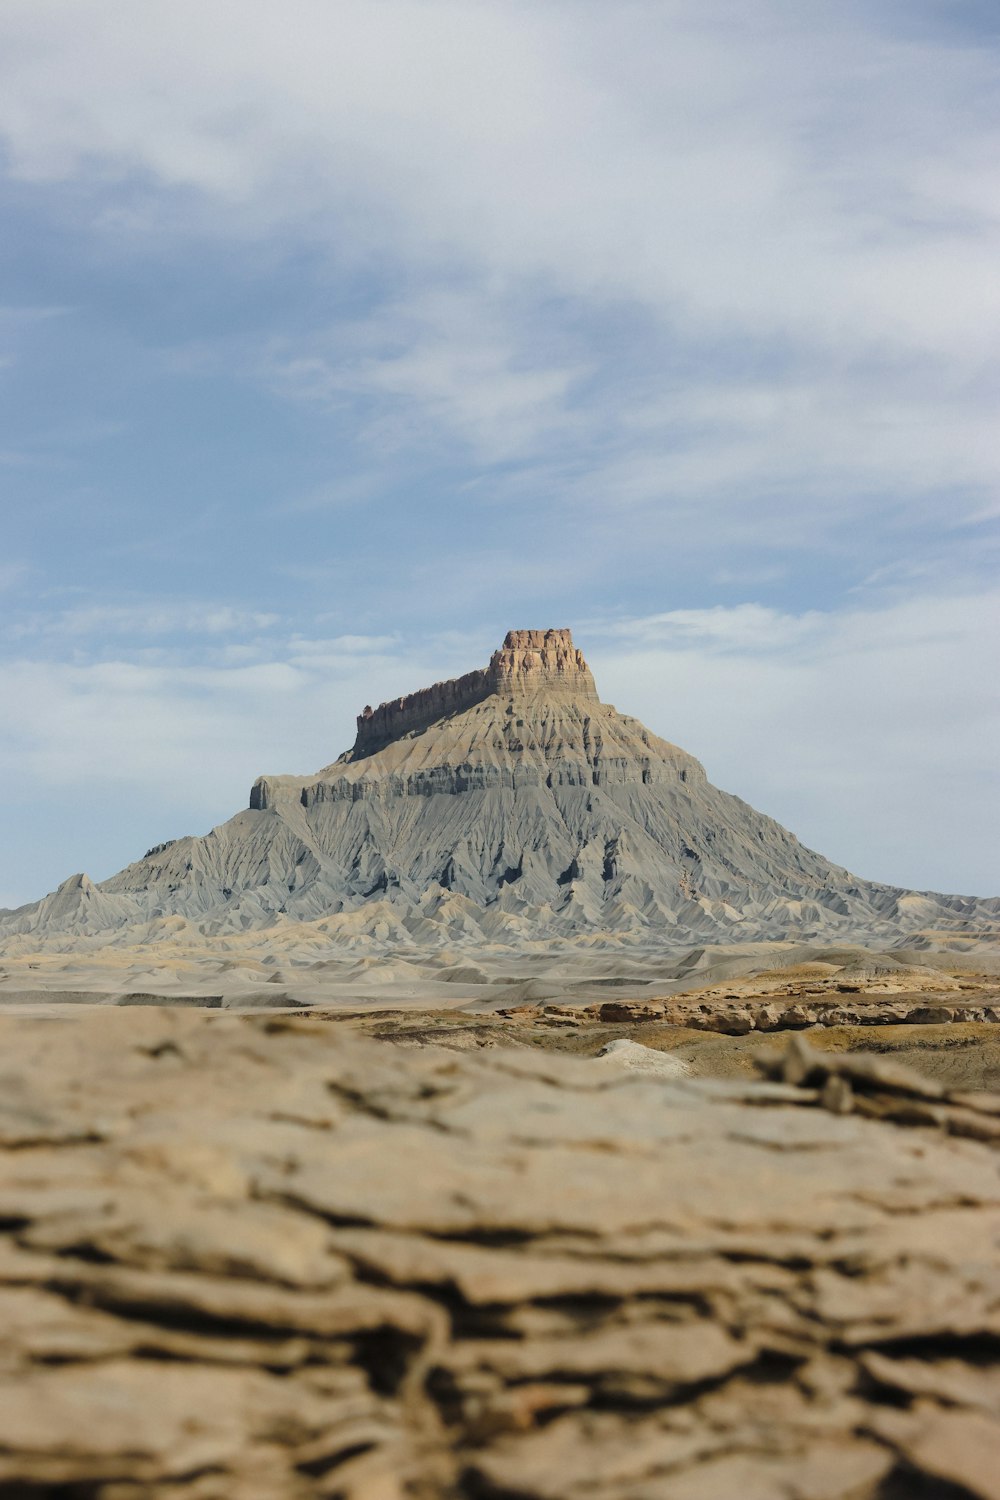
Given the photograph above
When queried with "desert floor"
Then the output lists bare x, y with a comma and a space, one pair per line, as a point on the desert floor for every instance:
712, 1008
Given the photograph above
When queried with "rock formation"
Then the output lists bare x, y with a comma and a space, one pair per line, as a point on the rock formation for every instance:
265, 1261
508, 805
529, 662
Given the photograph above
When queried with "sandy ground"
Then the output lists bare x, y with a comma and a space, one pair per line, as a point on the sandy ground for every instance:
275, 969
559, 1001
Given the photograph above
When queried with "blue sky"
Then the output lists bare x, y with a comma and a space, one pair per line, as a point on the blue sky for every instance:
336, 338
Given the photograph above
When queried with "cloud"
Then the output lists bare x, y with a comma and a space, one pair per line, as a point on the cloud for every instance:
150, 619
182, 722
694, 259
717, 165
739, 628
441, 367
782, 457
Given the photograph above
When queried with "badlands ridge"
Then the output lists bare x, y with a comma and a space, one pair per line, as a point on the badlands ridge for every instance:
478, 831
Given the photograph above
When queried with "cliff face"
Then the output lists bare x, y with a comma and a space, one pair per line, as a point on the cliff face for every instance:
541, 661
528, 662
378, 727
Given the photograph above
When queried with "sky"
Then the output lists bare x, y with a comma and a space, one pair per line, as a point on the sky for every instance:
338, 337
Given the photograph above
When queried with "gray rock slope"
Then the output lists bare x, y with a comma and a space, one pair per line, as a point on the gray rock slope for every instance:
506, 805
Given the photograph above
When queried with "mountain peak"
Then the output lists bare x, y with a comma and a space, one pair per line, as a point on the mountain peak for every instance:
530, 662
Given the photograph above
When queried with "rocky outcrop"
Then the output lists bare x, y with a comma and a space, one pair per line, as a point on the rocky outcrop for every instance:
734, 1016
529, 661
268, 1262
541, 661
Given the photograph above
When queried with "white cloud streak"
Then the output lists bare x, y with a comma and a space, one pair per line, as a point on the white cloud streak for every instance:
112, 622
441, 364
818, 184
720, 163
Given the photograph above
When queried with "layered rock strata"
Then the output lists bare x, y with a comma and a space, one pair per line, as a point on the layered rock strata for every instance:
541, 661
268, 1262
529, 661
935, 1001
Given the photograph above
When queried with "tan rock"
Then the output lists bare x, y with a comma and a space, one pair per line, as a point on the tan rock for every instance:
958, 1447
529, 661
301, 1265
631, 1010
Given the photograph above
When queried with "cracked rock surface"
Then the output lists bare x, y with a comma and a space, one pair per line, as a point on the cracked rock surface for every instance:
265, 1258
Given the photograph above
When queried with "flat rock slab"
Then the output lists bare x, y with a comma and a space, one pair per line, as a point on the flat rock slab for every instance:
262, 1257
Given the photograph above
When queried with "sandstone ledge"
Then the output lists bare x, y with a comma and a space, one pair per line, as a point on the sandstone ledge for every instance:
529, 661
260, 1259
739, 1019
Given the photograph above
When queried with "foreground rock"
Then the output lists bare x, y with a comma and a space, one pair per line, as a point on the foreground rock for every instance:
265, 1259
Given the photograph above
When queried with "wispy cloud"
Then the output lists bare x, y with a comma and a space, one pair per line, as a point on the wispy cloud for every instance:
445, 367
133, 621
707, 254
14, 316
737, 628
719, 164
